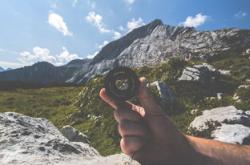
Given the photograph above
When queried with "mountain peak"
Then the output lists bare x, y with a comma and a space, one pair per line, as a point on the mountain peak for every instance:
1, 69
156, 22
43, 64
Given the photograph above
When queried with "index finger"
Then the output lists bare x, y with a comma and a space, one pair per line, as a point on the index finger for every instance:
107, 99
126, 104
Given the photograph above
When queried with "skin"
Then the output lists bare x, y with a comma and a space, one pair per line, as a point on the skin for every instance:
148, 136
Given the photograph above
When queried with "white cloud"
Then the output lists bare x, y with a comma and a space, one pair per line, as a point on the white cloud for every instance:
116, 35
90, 56
121, 28
129, 2
43, 54
240, 14
64, 57
96, 19
195, 21
103, 44
57, 22
133, 23
38, 54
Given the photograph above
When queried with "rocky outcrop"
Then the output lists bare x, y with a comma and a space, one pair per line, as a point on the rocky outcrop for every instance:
232, 133
231, 125
74, 135
203, 72
156, 42
165, 93
26, 140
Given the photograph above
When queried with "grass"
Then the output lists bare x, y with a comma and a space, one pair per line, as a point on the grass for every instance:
90, 115
55, 104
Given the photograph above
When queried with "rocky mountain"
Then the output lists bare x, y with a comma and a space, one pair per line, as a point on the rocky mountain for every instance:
1, 69
26, 140
148, 45
154, 43
43, 74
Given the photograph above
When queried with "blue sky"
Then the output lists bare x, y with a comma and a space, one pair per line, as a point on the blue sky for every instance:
58, 31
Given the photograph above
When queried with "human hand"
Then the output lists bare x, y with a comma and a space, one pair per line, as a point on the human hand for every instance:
147, 134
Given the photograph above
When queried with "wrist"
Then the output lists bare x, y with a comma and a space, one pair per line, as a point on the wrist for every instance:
197, 155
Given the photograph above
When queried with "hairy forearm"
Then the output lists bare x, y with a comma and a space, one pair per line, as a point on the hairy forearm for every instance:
215, 152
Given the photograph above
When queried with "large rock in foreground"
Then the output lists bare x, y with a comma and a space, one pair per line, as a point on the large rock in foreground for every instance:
227, 124
25, 140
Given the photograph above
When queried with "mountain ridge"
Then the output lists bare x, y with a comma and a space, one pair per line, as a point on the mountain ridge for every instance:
147, 45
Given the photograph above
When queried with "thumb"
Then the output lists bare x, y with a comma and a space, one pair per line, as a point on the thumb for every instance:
146, 99
155, 118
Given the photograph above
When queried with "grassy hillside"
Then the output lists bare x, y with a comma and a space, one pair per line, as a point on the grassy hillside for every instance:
55, 104
86, 112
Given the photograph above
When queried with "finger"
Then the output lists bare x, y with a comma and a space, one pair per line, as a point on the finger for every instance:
126, 114
146, 99
158, 123
131, 144
115, 105
130, 128
107, 99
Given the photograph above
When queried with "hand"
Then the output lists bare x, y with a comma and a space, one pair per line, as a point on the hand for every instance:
147, 134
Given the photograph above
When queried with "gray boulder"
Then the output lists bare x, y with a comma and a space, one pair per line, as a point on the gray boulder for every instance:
232, 125
232, 133
202, 72
74, 135
26, 140
165, 93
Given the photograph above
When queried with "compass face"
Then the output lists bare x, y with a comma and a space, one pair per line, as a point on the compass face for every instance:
121, 83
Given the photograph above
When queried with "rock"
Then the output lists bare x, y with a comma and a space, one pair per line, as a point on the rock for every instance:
219, 96
74, 135
225, 72
232, 125
244, 86
232, 133
247, 52
203, 73
194, 111
228, 115
236, 98
26, 140
190, 74
166, 94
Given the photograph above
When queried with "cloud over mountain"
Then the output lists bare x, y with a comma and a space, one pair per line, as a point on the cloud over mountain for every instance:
195, 21
43, 54
56, 21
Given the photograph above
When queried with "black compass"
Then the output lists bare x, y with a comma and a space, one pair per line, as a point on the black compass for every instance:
121, 83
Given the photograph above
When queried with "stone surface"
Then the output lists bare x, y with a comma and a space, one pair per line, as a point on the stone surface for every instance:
231, 133
202, 72
26, 140
233, 125
74, 135
165, 93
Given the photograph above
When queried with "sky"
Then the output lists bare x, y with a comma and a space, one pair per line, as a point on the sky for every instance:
59, 31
